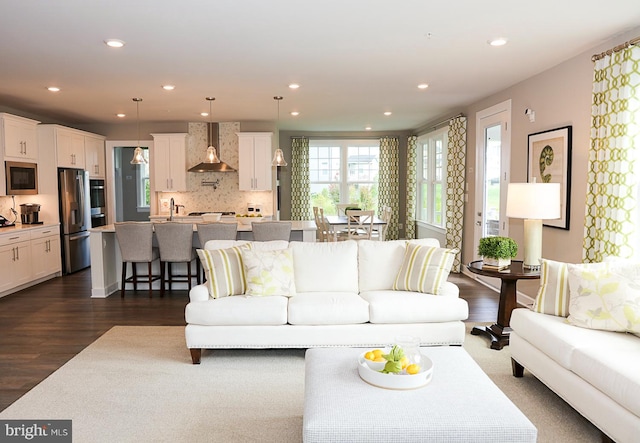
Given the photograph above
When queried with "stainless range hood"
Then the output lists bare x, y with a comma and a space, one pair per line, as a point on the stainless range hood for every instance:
213, 134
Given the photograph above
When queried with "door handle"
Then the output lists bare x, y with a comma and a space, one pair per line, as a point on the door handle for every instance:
478, 223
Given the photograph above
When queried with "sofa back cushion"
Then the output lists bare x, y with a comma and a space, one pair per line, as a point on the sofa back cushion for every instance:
379, 261
327, 267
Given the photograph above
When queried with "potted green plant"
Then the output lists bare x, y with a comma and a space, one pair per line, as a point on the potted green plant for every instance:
497, 251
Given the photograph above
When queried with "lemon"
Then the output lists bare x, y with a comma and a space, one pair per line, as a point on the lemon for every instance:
377, 352
381, 358
405, 362
413, 369
369, 356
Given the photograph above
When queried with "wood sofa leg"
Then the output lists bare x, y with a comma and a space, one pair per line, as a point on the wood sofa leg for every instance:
606, 438
196, 354
517, 369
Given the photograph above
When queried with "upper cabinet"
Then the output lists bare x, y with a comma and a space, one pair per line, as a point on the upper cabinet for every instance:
19, 139
94, 156
169, 162
254, 161
70, 148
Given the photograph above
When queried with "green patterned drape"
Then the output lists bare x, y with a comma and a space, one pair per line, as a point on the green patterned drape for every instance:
412, 171
611, 215
456, 165
388, 182
300, 186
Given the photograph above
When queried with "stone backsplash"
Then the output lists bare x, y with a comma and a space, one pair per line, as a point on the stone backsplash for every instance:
227, 196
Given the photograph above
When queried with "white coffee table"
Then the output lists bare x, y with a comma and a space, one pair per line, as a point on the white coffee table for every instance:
460, 404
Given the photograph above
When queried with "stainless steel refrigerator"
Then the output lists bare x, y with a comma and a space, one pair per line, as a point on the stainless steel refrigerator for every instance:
75, 218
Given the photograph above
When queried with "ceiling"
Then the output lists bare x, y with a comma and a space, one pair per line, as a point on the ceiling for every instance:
353, 59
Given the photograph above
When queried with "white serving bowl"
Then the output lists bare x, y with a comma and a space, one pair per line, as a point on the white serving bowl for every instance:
396, 381
211, 217
374, 365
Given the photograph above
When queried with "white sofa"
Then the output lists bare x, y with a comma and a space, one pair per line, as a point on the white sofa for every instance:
597, 372
344, 297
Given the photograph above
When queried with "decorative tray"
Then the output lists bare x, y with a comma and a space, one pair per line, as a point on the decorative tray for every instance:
396, 381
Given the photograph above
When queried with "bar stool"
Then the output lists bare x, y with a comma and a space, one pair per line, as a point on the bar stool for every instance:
175, 241
136, 246
274, 230
215, 231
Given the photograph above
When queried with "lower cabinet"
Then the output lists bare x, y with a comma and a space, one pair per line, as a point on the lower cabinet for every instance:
27, 256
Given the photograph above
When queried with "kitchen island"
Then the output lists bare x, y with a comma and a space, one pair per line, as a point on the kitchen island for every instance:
106, 261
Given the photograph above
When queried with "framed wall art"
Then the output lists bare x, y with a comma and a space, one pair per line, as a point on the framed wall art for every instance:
550, 162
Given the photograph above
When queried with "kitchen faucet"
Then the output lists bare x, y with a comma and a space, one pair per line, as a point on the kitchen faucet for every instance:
172, 206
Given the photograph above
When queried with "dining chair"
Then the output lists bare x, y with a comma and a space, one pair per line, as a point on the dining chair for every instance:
175, 241
325, 232
271, 230
359, 224
214, 231
136, 246
380, 231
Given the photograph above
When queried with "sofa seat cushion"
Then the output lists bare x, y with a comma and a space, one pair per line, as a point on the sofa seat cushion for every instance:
558, 339
414, 307
238, 310
613, 369
325, 267
327, 308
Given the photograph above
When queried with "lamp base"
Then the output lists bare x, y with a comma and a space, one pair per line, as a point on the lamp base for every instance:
532, 244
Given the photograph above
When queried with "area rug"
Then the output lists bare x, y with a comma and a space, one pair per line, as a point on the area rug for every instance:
137, 384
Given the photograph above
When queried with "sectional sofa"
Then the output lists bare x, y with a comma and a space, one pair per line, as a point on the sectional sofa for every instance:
352, 293
582, 341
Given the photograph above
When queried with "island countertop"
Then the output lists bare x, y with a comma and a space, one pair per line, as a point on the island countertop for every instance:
296, 225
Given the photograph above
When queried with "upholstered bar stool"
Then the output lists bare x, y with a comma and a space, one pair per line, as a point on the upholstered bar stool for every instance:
215, 231
271, 230
175, 241
136, 246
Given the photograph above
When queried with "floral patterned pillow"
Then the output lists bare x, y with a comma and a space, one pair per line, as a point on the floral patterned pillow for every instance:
607, 298
269, 272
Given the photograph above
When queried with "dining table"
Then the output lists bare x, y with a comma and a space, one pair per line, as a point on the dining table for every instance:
342, 220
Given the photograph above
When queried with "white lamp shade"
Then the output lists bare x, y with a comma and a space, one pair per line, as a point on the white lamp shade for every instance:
540, 201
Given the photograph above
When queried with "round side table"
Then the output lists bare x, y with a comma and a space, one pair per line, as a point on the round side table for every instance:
499, 332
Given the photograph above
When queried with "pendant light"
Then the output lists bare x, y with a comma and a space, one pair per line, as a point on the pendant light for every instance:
278, 156
138, 154
212, 155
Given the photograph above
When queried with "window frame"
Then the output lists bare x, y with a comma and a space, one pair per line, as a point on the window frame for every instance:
431, 140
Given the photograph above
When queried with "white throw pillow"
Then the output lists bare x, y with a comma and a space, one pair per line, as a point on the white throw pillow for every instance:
424, 269
269, 272
607, 298
224, 271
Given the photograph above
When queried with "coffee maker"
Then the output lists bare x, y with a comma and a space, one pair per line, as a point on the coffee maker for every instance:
29, 214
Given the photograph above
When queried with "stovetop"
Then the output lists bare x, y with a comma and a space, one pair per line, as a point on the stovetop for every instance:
198, 214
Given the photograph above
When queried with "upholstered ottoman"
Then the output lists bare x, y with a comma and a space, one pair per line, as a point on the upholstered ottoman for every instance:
460, 404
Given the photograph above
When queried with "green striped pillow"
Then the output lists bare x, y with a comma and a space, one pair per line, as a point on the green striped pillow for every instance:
224, 270
553, 295
424, 269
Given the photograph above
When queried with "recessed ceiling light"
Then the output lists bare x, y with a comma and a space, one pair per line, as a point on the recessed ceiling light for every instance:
53, 89
168, 87
367, 128
423, 86
114, 43
387, 113
295, 113
498, 41
204, 114
294, 86
121, 115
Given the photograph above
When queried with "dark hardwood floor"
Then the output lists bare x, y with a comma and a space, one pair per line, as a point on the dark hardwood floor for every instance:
43, 327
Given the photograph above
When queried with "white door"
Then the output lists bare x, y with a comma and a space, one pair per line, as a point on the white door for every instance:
493, 147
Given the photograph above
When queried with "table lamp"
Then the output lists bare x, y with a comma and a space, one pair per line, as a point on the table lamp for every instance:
533, 202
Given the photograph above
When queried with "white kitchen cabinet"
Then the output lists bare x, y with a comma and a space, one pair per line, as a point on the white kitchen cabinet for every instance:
254, 161
15, 255
70, 148
19, 138
94, 157
169, 162
45, 252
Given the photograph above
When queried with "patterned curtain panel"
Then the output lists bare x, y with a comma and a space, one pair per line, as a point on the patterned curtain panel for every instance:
388, 182
611, 222
456, 166
300, 186
412, 165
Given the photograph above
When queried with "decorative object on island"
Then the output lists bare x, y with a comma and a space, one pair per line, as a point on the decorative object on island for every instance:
533, 202
550, 162
497, 252
212, 162
138, 154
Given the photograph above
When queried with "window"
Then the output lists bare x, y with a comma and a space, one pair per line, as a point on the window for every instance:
432, 168
344, 171
143, 199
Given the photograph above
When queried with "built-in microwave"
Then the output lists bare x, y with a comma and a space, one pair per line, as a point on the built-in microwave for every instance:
22, 178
